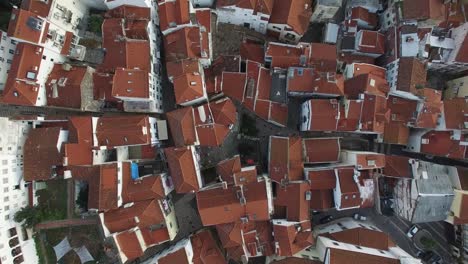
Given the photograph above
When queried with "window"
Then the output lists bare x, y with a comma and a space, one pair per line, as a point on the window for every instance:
4, 162
6, 199
6, 208
5, 190
7, 217
5, 171
11, 51
9, 61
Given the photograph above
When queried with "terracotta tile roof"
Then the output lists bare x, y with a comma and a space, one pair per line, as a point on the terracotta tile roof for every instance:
350, 196
323, 57
294, 13
278, 114
411, 75
23, 24
308, 80
375, 113
130, 83
205, 249
178, 256
292, 238
230, 234
324, 115
182, 126
368, 160
397, 166
350, 58
142, 214
155, 237
144, 188
285, 159
365, 68
188, 87
361, 13
295, 260
214, 203
338, 256
321, 150
63, 87
226, 168
203, 17
350, 116
20, 87
258, 6
103, 86
130, 12
462, 53
424, 9
212, 134
443, 143
371, 42
233, 85
364, 237
456, 113
179, 68
253, 51
396, 133
224, 111
37, 6
173, 13
431, 110
213, 74
41, 154
293, 197
323, 200
366, 83
183, 44
403, 110
321, 179
123, 130
284, 56
183, 169
129, 244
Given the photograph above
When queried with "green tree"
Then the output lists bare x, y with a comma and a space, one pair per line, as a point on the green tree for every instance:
31, 216
95, 23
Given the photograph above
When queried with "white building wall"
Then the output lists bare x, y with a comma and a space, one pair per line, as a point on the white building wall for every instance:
324, 12
243, 17
455, 88
13, 192
111, 4
306, 113
392, 74
7, 50
60, 8
202, 3
287, 36
414, 141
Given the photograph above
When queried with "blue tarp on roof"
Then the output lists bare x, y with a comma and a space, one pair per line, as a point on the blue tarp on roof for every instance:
134, 171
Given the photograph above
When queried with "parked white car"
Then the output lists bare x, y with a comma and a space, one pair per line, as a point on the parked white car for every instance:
412, 231
360, 217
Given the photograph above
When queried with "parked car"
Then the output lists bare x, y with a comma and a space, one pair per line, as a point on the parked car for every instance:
360, 217
326, 219
412, 231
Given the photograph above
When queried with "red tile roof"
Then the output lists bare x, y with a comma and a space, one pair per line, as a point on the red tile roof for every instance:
214, 203
424, 9
130, 83
432, 109
130, 12
364, 237
338, 256
285, 159
20, 87
144, 188
64, 87
361, 13
375, 113
396, 133
321, 150
183, 169
182, 126
213, 74
321, 179
183, 44
293, 197
456, 113
253, 51
226, 168
350, 196
365, 68
350, 115
233, 85
129, 244
366, 83
309, 81
403, 110
205, 249
123, 130
372, 42
258, 6
293, 13
178, 256
188, 87
323, 200
324, 114
292, 238
284, 55
397, 166
22, 25
181, 67
173, 13
443, 143
411, 75
323, 57
41, 154
142, 214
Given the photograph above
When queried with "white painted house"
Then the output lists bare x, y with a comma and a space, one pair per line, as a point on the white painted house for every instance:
250, 14
16, 243
7, 50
